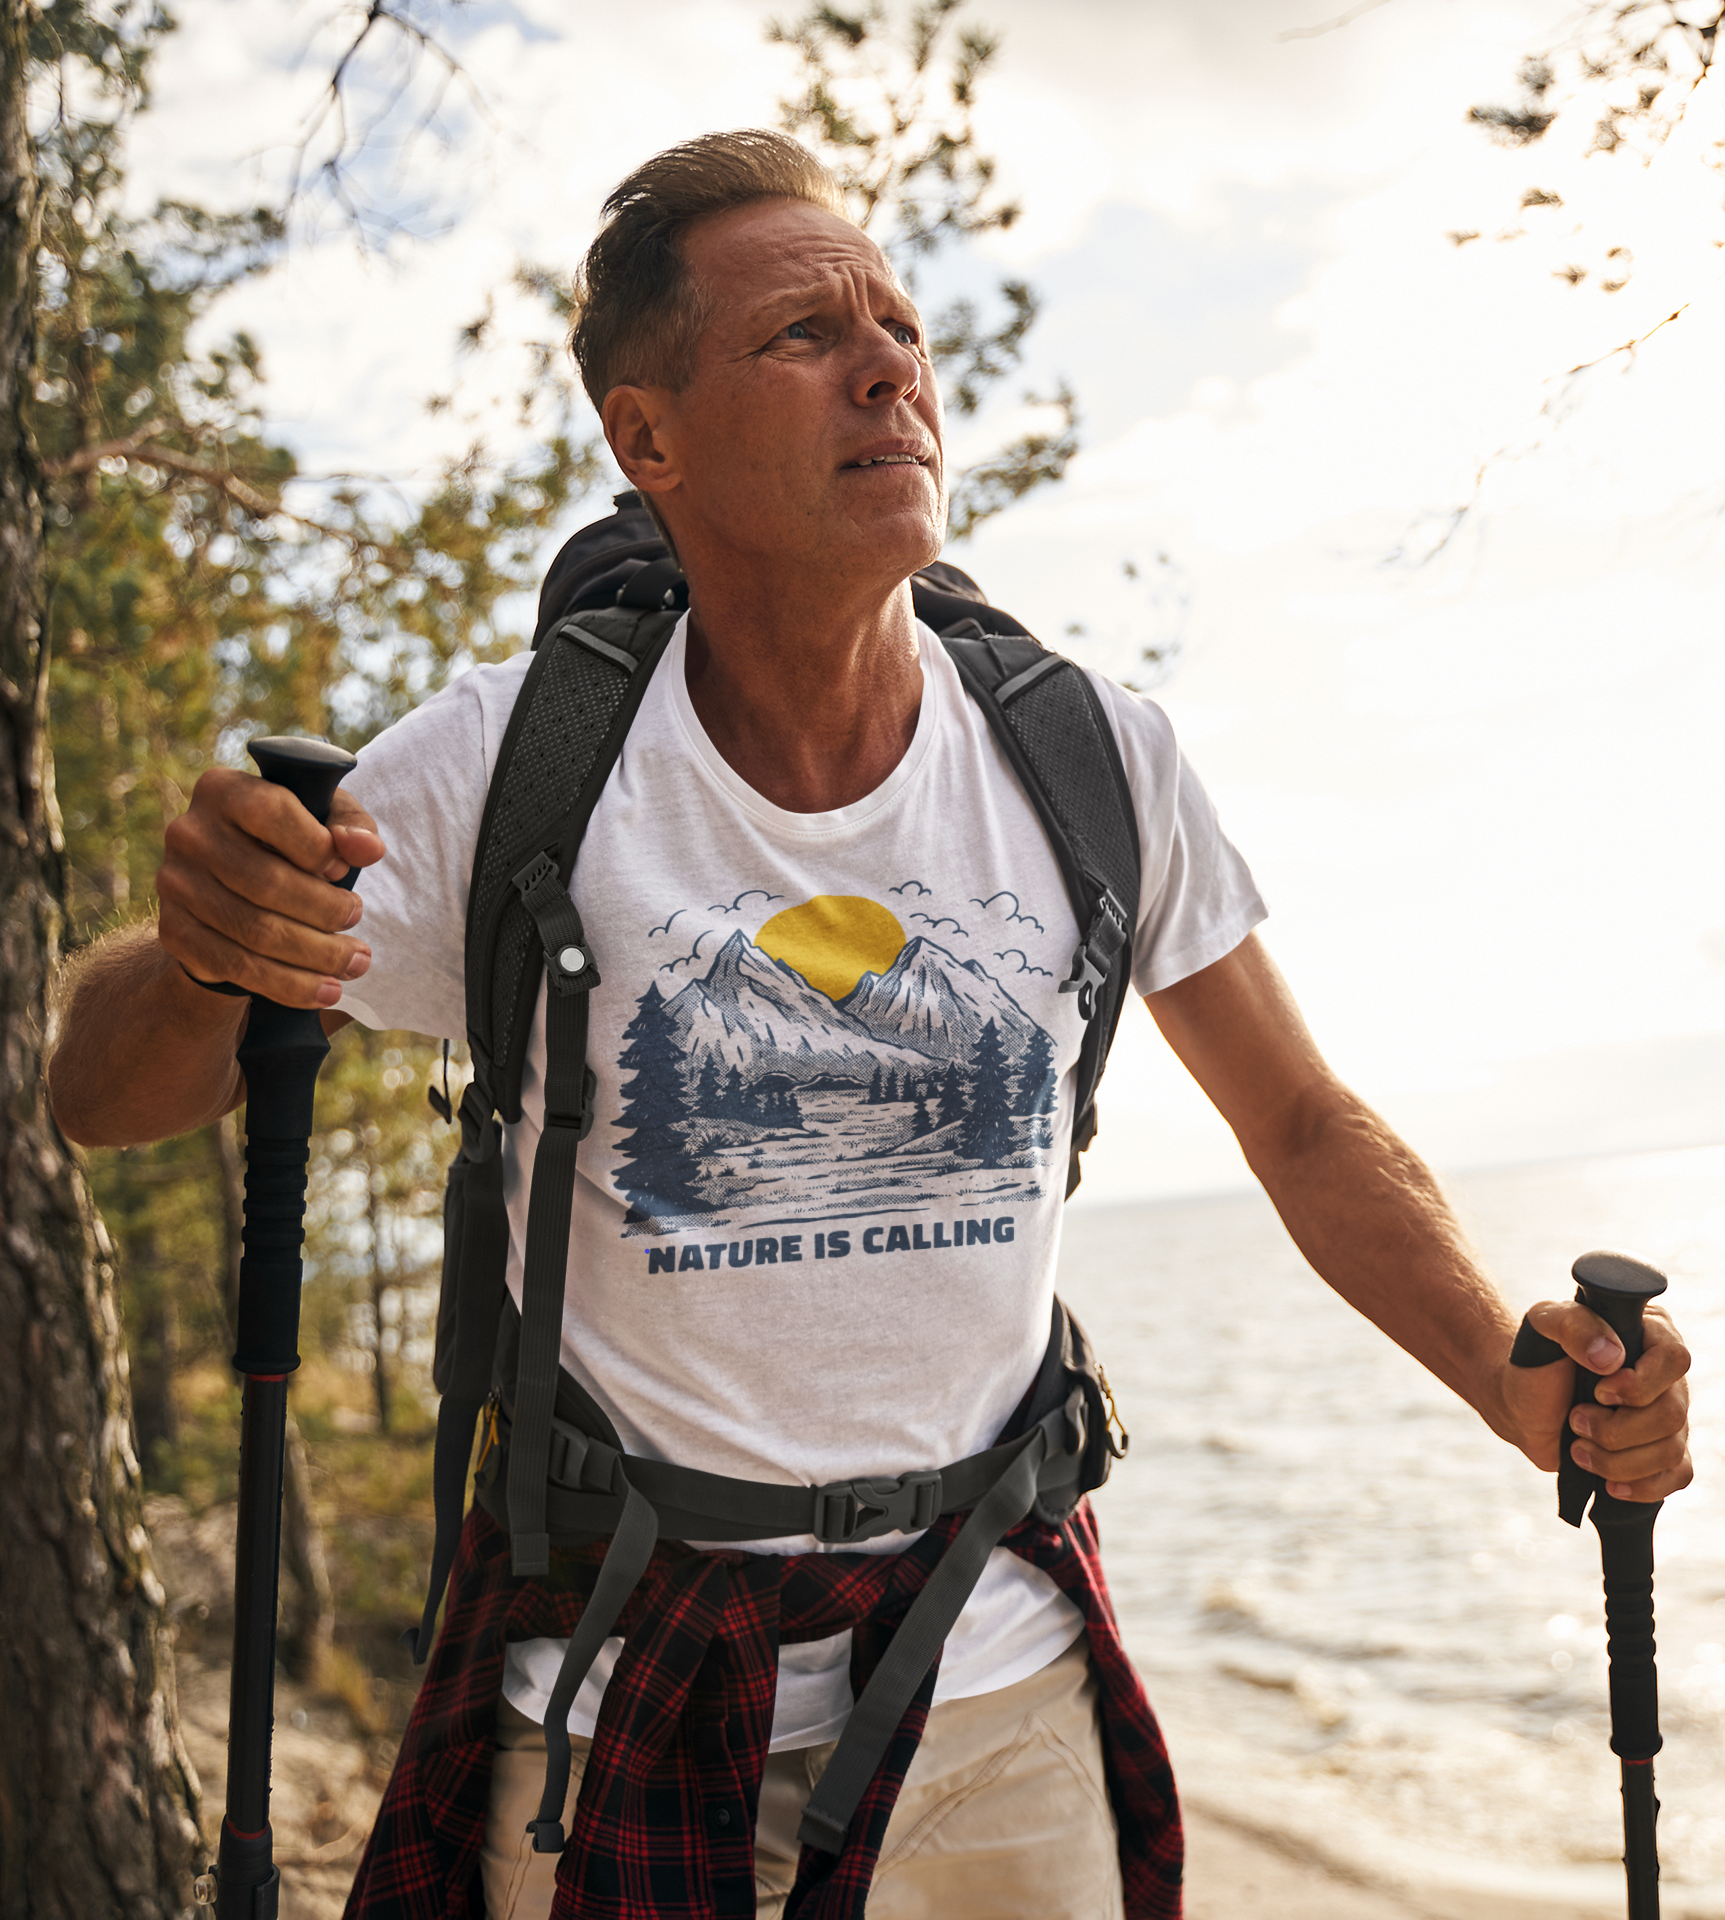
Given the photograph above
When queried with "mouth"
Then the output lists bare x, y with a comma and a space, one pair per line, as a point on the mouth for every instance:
888, 460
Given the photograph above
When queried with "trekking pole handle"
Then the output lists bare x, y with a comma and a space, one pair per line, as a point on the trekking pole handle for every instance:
1617, 1288
311, 770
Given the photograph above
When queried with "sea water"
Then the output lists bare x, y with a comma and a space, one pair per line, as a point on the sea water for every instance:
1357, 1610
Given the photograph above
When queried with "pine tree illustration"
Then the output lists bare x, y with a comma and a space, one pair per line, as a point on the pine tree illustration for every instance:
706, 1095
920, 1123
734, 1101
889, 1089
952, 1103
659, 1172
1036, 1075
873, 1099
988, 1135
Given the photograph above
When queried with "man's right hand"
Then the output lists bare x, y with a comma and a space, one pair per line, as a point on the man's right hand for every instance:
248, 894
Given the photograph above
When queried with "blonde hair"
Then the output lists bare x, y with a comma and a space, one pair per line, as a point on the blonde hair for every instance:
638, 310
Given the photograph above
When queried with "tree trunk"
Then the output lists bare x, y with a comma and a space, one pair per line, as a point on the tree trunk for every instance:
97, 1797
307, 1628
154, 1352
379, 1287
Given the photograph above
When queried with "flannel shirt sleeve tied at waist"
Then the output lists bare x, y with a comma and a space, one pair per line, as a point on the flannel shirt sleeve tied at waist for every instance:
664, 1826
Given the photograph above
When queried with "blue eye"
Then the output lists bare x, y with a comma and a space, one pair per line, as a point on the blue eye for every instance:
905, 336
797, 330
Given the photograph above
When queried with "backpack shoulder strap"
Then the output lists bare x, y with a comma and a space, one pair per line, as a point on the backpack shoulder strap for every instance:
1052, 728
575, 707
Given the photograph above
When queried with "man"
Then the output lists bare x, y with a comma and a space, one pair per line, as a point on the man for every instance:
804, 786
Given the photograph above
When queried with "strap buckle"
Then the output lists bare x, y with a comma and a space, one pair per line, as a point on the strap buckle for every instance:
1096, 954
582, 1119
580, 1462
569, 964
865, 1509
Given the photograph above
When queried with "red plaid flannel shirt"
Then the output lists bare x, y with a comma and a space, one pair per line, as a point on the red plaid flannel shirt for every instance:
665, 1820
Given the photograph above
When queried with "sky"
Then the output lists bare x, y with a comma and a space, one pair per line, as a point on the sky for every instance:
1476, 778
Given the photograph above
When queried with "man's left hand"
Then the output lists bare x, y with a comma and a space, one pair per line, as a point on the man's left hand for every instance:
1637, 1438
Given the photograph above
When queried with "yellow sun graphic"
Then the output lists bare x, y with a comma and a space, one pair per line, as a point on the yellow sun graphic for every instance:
833, 940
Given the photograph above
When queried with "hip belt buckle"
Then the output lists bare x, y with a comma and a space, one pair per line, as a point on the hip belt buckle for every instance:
851, 1510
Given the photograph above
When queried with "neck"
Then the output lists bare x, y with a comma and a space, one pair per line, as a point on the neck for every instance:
813, 702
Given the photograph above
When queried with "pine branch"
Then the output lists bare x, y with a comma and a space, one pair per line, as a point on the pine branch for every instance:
141, 446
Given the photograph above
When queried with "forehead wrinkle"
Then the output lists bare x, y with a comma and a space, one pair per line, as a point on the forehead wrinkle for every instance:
841, 279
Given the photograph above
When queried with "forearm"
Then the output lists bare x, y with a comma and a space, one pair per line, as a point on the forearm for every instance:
140, 1051
1369, 1217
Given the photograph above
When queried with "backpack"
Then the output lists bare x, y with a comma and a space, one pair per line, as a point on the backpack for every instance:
554, 1467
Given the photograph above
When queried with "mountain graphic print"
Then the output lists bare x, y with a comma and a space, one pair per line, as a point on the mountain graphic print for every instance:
831, 1068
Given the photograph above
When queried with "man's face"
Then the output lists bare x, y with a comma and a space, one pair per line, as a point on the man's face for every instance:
811, 430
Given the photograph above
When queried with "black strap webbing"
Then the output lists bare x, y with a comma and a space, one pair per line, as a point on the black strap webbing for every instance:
1051, 727
916, 1646
625, 1561
544, 1275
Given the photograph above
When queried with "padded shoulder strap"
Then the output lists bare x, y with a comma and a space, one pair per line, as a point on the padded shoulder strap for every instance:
1056, 737
571, 716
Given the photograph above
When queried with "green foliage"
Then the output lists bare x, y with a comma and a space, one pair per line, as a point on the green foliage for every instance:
888, 106
204, 590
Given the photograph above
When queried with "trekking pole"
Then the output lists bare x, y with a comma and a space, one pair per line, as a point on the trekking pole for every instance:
281, 1053
1617, 1289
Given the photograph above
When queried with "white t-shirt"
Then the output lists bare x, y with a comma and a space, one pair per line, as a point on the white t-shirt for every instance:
816, 1220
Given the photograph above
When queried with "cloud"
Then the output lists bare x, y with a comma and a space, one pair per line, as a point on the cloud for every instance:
687, 959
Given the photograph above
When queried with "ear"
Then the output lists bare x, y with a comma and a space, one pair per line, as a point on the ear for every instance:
636, 422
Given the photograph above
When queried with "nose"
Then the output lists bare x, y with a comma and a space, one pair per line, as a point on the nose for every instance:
885, 370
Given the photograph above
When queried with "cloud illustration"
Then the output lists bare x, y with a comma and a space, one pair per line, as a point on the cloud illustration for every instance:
687, 959
1029, 919
922, 892
945, 920
1003, 894
736, 905
1023, 959
666, 928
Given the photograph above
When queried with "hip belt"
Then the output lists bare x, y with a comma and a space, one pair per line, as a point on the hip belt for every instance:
1060, 1446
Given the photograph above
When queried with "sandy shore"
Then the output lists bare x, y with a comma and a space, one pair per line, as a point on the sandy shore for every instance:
1232, 1874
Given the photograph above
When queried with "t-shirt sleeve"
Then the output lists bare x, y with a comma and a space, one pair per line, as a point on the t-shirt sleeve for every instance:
1197, 900
424, 780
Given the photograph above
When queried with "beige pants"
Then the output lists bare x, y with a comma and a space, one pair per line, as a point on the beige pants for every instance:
1003, 1815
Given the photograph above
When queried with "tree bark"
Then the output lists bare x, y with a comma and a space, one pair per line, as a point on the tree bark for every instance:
98, 1800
